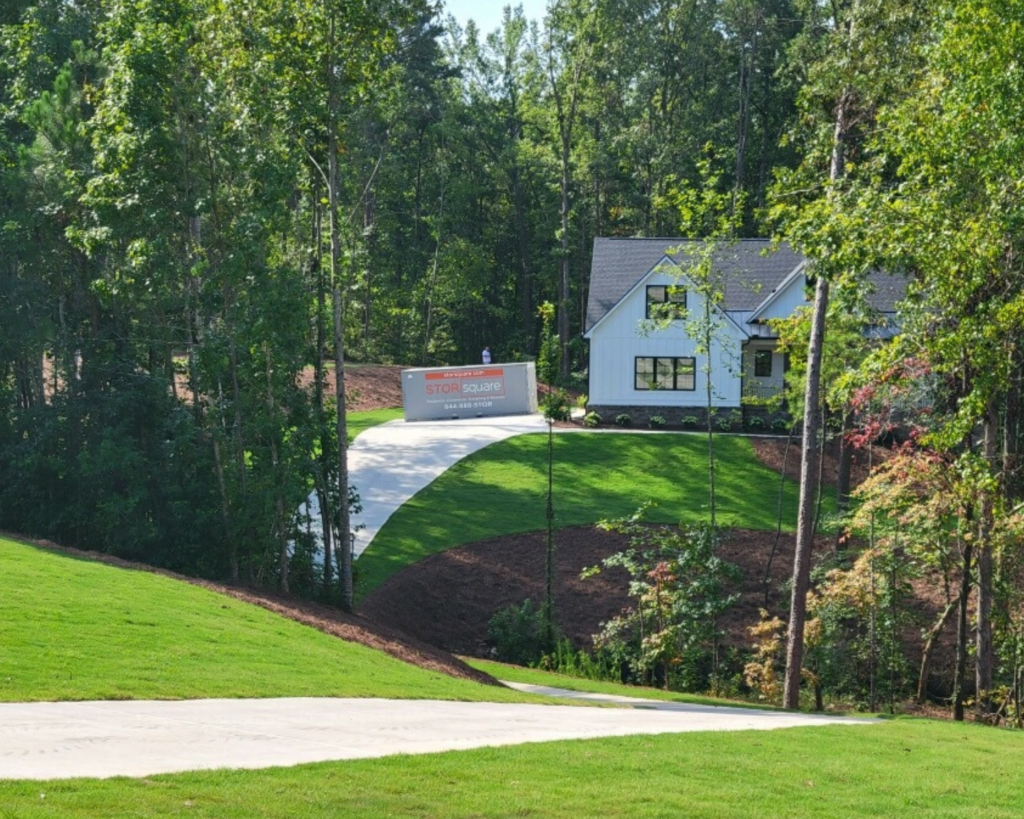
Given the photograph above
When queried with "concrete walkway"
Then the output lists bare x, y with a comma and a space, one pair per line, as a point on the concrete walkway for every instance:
390, 463
63, 740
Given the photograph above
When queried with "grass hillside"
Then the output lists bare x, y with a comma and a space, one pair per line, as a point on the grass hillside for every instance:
74, 629
501, 490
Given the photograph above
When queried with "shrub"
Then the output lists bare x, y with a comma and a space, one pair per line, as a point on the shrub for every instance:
656, 422
690, 421
591, 419
556, 405
681, 588
729, 421
623, 419
780, 425
588, 665
515, 634
757, 424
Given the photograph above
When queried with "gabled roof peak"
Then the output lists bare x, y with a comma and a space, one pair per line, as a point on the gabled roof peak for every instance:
749, 273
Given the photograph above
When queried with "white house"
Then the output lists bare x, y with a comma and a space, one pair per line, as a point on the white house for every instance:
645, 367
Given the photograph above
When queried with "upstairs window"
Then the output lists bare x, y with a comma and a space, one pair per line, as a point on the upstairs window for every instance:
762, 363
665, 373
666, 301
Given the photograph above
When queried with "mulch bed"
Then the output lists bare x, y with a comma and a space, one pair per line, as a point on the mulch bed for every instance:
448, 598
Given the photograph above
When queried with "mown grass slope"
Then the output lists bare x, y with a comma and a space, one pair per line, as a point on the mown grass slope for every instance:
74, 629
501, 490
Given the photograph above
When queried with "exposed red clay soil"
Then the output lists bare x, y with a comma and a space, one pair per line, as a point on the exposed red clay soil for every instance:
367, 386
353, 628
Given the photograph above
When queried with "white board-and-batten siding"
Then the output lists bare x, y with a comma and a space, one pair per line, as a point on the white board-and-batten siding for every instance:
621, 336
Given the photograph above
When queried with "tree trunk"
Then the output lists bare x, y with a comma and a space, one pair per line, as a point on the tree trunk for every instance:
344, 530
808, 461
275, 462
766, 581
845, 472
961, 634
929, 647
563, 269
526, 284
326, 447
983, 629
805, 518
1011, 467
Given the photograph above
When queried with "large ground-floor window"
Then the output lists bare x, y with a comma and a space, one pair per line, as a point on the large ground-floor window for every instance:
665, 373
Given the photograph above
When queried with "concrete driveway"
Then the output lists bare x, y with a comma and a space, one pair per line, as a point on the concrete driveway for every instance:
390, 463
63, 740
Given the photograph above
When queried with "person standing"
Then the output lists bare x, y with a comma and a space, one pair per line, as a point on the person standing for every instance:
486, 355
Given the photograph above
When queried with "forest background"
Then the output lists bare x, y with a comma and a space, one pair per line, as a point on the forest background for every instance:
208, 206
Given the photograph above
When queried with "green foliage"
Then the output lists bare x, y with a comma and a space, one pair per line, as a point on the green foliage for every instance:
680, 587
757, 424
581, 664
549, 357
172, 231
592, 419
690, 421
557, 405
623, 419
656, 422
516, 634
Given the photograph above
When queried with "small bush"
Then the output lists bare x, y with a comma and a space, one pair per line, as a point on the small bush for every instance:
592, 419
515, 634
780, 425
556, 405
623, 419
581, 400
656, 422
729, 421
690, 421
757, 424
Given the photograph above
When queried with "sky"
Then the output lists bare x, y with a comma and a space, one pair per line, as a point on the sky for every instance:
487, 13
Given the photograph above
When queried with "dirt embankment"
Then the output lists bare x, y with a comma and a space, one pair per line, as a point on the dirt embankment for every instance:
367, 386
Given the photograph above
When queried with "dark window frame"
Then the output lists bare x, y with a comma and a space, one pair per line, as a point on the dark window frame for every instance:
670, 295
760, 357
680, 373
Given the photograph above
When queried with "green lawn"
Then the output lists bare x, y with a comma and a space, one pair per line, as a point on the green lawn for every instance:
359, 422
73, 629
901, 768
501, 490
534, 676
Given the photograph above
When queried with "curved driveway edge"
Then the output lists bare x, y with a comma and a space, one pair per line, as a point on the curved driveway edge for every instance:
391, 462
65, 740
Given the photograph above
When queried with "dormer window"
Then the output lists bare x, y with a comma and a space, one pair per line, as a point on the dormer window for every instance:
666, 301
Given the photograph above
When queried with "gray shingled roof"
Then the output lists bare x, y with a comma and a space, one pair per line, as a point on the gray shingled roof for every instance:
748, 276
751, 271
